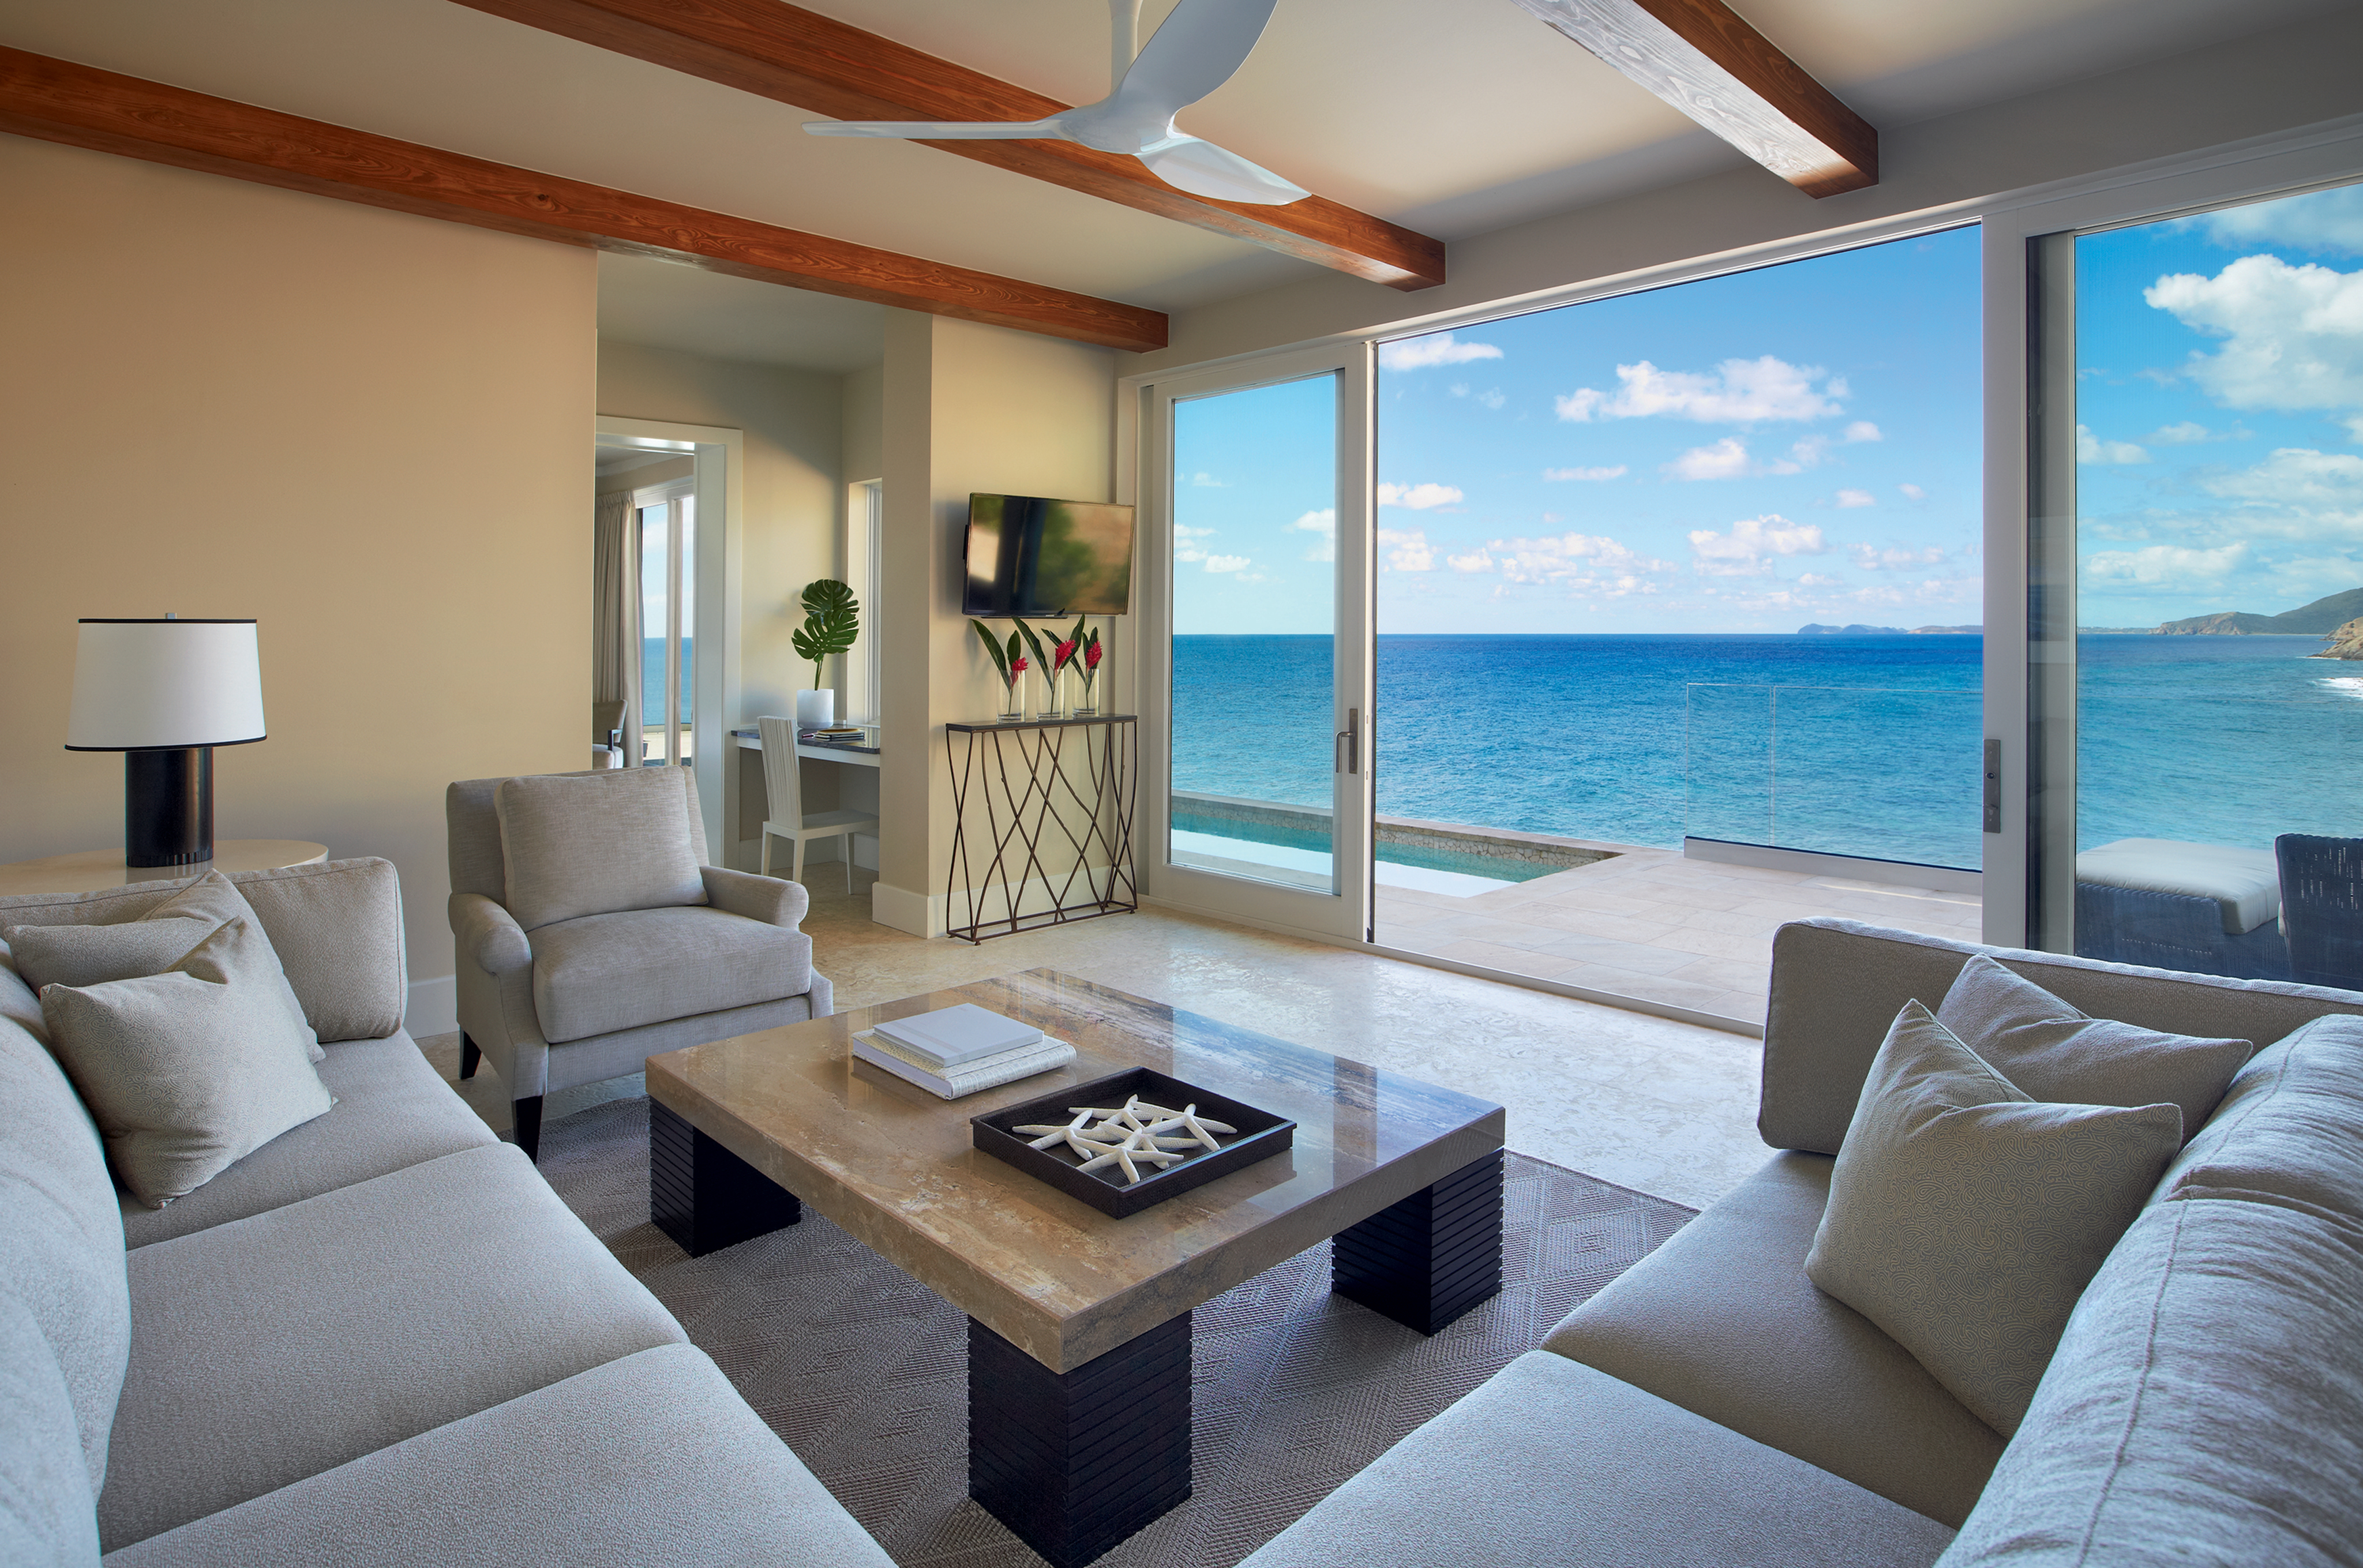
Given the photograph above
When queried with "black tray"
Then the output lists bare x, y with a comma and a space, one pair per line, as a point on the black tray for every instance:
1261, 1135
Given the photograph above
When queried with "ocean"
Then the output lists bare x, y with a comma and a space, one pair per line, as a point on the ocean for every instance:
1849, 745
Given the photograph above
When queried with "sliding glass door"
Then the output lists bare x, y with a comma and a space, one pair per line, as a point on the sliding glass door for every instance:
2196, 631
1256, 738
667, 698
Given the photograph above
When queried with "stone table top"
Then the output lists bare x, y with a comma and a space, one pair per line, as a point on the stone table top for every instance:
894, 1165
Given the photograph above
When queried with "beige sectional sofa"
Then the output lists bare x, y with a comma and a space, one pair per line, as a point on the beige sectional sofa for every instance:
378, 1339
1710, 1407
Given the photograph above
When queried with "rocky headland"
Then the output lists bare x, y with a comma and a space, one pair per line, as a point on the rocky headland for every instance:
2346, 642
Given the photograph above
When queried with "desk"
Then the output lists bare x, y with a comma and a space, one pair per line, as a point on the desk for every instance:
745, 801
88, 871
862, 753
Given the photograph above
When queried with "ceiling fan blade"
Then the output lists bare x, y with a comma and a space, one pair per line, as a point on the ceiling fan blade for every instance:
1202, 45
1204, 169
937, 131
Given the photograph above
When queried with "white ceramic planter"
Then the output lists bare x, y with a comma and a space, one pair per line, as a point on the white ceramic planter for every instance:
816, 709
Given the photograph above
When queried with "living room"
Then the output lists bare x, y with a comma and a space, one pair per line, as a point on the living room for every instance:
249, 392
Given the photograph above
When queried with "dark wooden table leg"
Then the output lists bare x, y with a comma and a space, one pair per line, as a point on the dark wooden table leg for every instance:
703, 1196
1433, 1256
1075, 1462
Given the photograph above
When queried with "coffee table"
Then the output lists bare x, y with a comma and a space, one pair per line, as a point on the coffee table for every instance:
1078, 1324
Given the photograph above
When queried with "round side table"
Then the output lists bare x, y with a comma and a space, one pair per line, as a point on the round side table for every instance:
87, 871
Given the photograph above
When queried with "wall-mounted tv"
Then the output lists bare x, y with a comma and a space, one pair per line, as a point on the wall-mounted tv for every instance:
1029, 555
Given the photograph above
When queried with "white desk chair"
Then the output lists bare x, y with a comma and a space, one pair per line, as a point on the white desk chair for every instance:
787, 819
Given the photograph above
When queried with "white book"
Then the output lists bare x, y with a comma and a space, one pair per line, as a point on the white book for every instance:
1048, 1055
951, 1037
981, 1064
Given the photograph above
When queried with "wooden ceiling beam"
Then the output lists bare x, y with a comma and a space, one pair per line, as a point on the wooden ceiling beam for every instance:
827, 68
1701, 57
58, 100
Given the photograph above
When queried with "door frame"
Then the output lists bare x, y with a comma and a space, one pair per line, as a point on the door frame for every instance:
1144, 405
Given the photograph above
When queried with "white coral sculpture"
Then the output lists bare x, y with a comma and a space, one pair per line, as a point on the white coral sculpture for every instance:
1132, 1135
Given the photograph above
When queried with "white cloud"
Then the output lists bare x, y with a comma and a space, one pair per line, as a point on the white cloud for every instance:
1615, 473
1815, 580
1737, 392
2323, 220
2168, 564
1418, 497
2297, 476
1436, 348
2293, 335
1491, 397
1749, 549
1857, 498
1323, 523
1186, 542
1870, 558
1226, 563
1914, 491
1208, 482
2191, 432
1407, 550
1727, 459
1475, 560
1863, 431
1581, 564
2091, 448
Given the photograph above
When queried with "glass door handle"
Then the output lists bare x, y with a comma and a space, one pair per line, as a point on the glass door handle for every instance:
1349, 751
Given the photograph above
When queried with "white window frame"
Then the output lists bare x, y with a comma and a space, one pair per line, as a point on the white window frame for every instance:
865, 682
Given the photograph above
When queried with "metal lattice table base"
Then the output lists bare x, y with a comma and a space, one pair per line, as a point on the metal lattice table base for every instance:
1050, 803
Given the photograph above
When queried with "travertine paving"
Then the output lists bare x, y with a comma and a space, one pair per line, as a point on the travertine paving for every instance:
1652, 925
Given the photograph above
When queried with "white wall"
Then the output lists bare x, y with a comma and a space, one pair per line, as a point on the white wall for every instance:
367, 431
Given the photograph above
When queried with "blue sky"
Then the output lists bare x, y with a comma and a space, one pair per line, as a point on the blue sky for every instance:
1744, 453
2220, 406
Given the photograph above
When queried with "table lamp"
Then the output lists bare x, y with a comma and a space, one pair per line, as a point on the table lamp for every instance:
165, 692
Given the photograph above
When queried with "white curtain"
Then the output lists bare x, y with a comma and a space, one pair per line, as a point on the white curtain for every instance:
615, 656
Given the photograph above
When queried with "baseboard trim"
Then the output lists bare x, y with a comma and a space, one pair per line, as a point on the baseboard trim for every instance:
905, 910
432, 1007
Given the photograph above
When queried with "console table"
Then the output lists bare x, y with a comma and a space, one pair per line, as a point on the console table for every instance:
1034, 805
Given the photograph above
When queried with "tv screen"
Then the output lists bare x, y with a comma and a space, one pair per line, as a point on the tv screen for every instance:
1031, 556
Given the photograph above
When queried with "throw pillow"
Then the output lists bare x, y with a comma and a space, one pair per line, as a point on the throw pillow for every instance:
2055, 1052
1965, 1218
94, 955
595, 844
189, 1070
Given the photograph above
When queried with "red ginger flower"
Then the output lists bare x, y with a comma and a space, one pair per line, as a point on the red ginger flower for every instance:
1017, 668
1092, 656
1061, 655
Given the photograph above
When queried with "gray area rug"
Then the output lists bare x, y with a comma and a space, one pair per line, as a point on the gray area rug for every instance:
864, 1374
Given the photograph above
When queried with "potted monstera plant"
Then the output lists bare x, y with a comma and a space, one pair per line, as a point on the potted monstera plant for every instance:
832, 620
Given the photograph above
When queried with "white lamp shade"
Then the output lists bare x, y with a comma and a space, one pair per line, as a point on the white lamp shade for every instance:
147, 684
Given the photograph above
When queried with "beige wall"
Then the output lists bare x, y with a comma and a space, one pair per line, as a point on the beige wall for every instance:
865, 415
793, 499
367, 431
2277, 81
967, 408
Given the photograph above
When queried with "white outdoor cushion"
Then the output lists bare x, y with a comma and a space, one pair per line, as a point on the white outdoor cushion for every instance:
576, 844
188, 1071
2247, 882
1966, 1218
2055, 1052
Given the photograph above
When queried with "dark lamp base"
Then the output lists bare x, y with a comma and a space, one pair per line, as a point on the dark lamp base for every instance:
167, 807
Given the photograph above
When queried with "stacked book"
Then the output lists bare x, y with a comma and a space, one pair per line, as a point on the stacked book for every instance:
958, 1050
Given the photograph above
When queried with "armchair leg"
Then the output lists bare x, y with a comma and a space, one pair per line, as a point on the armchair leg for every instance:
528, 1127
469, 1055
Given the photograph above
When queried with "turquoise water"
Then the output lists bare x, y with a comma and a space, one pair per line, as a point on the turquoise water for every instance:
1856, 745
652, 678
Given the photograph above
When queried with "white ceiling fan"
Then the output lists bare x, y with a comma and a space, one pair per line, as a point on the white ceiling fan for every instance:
1200, 46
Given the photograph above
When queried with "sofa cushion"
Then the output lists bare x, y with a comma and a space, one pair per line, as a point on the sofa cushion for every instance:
46, 1518
1965, 1218
595, 843
288, 1343
604, 972
337, 927
2054, 1053
2205, 1406
93, 955
651, 1458
1721, 1321
18, 1005
2290, 1130
62, 1243
188, 1071
392, 1111
1554, 1462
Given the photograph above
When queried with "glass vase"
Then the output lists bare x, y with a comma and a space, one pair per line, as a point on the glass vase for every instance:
1011, 708
1086, 705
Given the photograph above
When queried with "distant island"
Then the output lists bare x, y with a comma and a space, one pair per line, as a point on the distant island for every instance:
1859, 630
2320, 618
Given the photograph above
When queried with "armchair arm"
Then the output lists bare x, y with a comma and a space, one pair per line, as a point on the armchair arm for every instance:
489, 934
771, 899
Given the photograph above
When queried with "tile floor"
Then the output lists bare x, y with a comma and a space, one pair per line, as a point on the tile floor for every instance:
1666, 1108
1650, 924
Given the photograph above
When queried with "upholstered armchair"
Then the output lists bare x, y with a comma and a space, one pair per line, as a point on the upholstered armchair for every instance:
591, 934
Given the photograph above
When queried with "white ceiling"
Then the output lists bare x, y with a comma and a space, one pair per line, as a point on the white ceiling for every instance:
1454, 117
